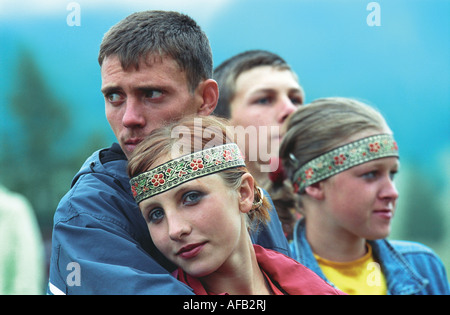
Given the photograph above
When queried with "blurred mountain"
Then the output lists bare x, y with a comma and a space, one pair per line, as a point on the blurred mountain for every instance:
401, 67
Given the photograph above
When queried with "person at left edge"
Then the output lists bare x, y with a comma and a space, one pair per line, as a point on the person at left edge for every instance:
156, 66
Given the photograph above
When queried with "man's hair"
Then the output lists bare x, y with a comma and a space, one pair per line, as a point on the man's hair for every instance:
163, 33
228, 71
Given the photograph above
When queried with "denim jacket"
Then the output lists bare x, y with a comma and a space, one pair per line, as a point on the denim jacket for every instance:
409, 268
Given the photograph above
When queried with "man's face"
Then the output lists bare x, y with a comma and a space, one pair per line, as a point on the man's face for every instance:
265, 96
139, 101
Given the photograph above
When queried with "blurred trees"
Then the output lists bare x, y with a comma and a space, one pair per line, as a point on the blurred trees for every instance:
421, 213
35, 159
425, 221
423, 207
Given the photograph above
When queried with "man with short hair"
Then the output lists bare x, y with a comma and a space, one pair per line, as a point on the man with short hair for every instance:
156, 66
258, 91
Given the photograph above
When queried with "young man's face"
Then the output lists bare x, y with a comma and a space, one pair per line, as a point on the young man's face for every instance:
139, 101
265, 96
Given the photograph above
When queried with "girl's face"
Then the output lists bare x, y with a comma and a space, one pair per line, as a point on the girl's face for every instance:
198, 225
361, 200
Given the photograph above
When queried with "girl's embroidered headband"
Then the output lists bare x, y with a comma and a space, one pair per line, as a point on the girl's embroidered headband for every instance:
344, 157
178, 171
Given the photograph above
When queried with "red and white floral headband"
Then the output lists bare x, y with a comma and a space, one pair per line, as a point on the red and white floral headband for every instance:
343, 158
188, 167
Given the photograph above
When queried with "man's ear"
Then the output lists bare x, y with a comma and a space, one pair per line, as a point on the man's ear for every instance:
246, 193
315, 191
209, 92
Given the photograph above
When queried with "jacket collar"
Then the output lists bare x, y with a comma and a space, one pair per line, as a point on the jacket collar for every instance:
400, 276
96, 164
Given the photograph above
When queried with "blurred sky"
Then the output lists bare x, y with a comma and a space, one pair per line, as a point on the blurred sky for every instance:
402, 67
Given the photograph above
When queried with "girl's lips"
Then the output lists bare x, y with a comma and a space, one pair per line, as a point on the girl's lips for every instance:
384, 214
191, 250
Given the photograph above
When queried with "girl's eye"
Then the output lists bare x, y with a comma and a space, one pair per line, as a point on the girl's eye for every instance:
370, 175
374, 174
392, 174
156, 215
192, 198
296, 101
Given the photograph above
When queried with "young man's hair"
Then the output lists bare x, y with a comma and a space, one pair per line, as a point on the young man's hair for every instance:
227, 73
160, 33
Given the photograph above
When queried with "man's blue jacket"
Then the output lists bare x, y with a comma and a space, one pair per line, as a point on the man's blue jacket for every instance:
101, 243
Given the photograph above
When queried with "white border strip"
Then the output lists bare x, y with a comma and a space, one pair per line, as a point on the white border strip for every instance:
54, 290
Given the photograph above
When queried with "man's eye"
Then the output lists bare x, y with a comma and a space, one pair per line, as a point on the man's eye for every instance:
114, 98
153, 94
156, 215
263, 101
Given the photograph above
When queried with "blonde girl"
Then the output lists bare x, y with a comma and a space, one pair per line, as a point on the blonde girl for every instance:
341, 158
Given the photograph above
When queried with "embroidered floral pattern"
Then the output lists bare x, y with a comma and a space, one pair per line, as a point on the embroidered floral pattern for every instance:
185, 168
344, 157
158, 179
374, 147
339, 160
227, 155
197, 164
309, 173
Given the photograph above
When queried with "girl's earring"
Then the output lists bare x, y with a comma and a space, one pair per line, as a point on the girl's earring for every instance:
257, 204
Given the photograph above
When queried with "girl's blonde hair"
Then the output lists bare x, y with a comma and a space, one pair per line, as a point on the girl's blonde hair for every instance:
198, 133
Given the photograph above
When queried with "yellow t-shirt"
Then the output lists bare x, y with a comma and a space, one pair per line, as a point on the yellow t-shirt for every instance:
359, 277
